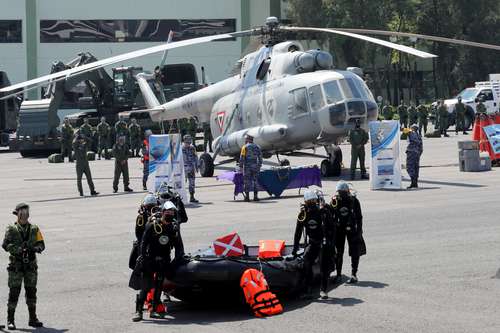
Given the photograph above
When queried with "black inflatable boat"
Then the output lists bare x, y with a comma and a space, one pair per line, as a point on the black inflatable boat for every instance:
211, 278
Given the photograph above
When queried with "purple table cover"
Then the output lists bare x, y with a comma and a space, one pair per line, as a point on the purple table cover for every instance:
275, 181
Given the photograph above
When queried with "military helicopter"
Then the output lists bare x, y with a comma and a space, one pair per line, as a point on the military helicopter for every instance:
287, 98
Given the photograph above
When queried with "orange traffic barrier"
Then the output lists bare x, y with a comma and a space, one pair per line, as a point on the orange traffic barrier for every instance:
476, 131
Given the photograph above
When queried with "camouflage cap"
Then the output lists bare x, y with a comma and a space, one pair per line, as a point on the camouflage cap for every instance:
20, 206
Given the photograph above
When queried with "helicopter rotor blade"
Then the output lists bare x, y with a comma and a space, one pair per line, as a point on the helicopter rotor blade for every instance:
424, 37
120, 58
381, 42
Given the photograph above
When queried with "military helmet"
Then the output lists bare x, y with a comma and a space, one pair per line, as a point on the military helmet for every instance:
148, 132
168, 205
187, 138
342, 186
149, 200
310, 195
20, 206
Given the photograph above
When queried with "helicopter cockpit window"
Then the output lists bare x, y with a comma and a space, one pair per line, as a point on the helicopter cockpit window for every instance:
332, 92
299, 101
316, 98
349, 88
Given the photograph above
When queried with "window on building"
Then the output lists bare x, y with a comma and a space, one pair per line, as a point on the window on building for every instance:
11, 31
115, 31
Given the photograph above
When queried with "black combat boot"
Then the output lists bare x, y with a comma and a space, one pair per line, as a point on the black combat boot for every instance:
34, 322
10, 319
94, 193
364, 176
192, 198
139, 306
255, 197
247, 196
128, 189
413, 184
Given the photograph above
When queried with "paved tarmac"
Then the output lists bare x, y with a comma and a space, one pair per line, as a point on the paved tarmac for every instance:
433, 262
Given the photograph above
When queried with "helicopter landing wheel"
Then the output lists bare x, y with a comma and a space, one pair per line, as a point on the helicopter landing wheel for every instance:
206, 165
332, 167
285, 163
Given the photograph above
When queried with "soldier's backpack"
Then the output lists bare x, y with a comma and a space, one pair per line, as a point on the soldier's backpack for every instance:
56, 158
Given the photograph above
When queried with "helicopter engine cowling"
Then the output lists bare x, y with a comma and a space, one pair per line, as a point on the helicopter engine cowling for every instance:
265, 136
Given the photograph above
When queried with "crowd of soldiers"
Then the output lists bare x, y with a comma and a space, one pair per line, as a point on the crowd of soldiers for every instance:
76, 145
419, 115
129, 141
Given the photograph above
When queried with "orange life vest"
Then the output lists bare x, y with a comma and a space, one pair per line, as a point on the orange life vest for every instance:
160, 308
257, 294
146, 144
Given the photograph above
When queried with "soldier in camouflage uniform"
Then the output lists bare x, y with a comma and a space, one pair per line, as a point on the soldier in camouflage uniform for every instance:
183, 126
121, 129
358, 139
480, 107
460, 116
190, 164
135, 137
413, 153
120, 152
403, 114
67, 134
387, 112
207, 137
412, 114
22, 241
82, 164
250, 163
103, 132
443, 118
192, 129
86, 130
423, 115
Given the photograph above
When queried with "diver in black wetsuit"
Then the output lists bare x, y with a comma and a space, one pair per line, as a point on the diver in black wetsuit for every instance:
320, 231
160, 236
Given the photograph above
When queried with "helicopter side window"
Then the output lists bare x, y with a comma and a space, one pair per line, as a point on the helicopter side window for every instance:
332, 92
316, 98
263, 68
298, 102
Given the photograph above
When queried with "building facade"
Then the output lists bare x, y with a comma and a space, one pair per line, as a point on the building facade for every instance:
34, 34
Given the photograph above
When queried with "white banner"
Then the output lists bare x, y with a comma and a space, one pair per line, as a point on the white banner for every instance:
166, 164
177, 175
160, 163
385, 170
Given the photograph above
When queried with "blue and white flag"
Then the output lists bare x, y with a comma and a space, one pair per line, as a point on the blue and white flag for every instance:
160, 163
385, 170
493, 134
177, 175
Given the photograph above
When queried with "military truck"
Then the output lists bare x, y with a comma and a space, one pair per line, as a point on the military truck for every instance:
92, 94
9, 109
175, 80
489, 91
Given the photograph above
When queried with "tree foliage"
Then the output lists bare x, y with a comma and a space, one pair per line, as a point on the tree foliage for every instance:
456, 67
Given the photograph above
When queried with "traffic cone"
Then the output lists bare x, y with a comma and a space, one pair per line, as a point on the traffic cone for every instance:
497, 118
476, 131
